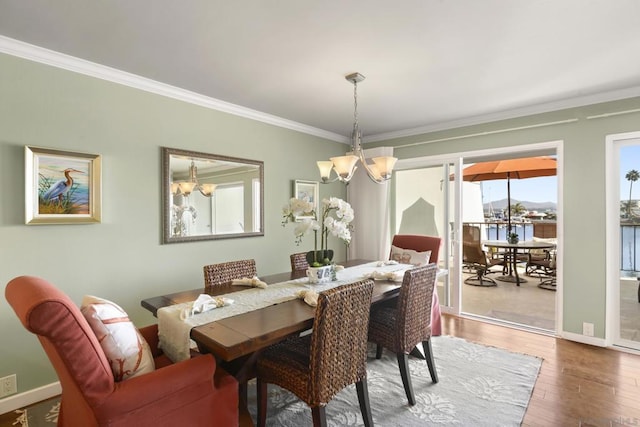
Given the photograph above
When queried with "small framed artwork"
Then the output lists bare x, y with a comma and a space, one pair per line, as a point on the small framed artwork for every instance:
307, 190
62, 187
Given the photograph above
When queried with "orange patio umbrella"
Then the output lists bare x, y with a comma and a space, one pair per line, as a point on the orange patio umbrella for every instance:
527, 167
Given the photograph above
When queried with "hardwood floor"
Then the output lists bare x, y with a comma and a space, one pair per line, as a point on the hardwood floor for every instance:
578, 384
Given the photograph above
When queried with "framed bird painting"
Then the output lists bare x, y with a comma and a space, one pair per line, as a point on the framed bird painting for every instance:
62, 187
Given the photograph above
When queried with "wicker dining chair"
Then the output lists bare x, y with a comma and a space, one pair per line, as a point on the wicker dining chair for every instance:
315, 367
402, 327
223, 273
299, 261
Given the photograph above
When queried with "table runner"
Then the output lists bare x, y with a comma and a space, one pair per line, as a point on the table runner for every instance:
174, 333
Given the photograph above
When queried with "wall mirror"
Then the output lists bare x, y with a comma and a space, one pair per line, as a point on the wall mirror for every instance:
206, 196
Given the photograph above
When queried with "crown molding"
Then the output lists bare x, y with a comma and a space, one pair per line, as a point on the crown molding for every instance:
67, 62
70, 63
580, 101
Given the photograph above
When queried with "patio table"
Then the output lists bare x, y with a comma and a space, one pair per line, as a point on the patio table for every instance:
511, 255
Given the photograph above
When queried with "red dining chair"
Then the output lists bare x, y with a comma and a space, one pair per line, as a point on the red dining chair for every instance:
419, 243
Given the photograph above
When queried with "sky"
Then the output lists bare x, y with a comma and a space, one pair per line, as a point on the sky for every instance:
629, 159
543, 189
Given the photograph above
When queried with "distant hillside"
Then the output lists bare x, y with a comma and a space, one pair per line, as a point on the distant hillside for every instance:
531, 206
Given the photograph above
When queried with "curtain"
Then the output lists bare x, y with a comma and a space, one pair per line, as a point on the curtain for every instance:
371, 238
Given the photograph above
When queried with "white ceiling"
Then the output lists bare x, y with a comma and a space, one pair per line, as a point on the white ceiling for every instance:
430, 64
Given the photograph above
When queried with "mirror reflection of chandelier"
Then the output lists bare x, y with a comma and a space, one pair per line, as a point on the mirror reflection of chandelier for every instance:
182, 212
345, 166
187, 187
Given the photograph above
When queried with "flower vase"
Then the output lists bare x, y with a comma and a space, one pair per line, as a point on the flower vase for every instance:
320, 274
320, 256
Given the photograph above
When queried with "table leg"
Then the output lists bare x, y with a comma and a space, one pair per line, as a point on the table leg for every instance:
514, 260
513, 275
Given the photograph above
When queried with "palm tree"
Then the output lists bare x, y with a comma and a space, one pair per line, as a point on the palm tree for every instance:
518, 209
631, 176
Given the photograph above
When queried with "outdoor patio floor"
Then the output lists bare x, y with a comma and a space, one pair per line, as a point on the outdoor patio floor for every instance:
533, 307
526, 304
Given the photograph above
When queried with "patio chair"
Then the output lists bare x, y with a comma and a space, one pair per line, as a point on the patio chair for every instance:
475, 258
402, 327
538, 259
223, 273
547, 267
299, 262
315, 367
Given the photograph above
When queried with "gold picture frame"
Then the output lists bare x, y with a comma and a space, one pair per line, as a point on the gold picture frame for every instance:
307, 190
62, 187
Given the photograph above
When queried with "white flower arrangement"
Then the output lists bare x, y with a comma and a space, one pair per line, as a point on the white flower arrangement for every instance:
338, 226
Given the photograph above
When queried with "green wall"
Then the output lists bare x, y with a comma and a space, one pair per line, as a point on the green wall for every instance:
122, 258
583, 188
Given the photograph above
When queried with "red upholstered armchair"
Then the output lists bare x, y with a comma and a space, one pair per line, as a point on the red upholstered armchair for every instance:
190, 393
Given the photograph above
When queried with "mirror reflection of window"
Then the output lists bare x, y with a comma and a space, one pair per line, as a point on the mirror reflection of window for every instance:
208, 196
227, 211
256, 205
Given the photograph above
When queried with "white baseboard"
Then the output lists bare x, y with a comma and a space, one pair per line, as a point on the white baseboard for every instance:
29, 397
600, 342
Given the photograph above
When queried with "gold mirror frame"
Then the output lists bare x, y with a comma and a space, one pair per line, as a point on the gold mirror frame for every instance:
234, 209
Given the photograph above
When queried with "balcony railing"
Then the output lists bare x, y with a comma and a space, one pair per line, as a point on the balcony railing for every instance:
629, 239
629, 243
497, 230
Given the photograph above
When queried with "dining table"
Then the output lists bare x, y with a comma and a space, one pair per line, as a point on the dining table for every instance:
511, 255
236, 341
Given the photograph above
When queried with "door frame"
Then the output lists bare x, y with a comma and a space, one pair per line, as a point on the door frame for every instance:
456, 158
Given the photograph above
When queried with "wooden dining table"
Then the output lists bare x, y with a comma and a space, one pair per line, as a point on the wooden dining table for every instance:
236, 341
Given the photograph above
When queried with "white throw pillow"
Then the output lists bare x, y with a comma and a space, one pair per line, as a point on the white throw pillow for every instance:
127, 351
408, 256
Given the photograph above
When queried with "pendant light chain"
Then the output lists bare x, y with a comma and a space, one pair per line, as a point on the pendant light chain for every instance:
356, 127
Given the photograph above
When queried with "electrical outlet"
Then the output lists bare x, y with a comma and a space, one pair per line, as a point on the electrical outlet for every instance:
8, 385
587, 329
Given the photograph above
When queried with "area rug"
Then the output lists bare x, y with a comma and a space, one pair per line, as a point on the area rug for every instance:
479, 386
41, 414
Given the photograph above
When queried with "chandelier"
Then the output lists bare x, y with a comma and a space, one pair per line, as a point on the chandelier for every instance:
345, 166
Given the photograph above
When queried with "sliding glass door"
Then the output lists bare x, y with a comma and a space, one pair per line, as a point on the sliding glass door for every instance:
623, 240
430, 197
424, 204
